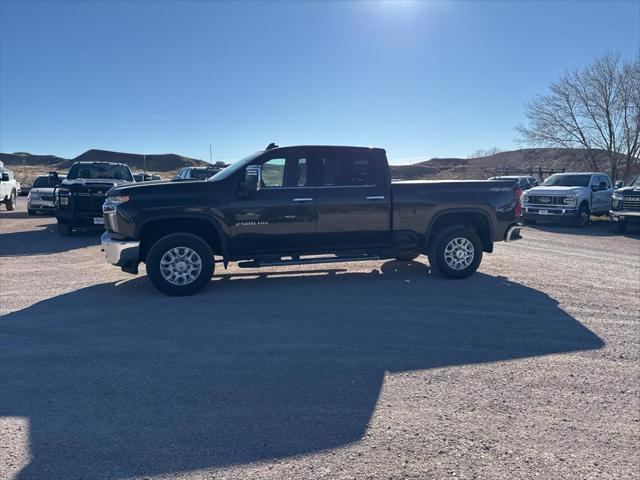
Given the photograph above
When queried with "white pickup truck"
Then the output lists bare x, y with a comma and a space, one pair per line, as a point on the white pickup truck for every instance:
9, 188
568, 197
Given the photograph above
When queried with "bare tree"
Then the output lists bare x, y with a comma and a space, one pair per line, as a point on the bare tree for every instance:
485, 153
596, 108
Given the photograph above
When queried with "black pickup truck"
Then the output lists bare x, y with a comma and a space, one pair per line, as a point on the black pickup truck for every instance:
279, 205
79, 198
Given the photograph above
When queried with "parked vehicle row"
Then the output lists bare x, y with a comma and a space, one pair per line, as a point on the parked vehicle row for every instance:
308, 205
303, 205
525, 182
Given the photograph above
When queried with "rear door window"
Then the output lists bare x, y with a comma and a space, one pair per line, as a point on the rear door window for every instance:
343, 169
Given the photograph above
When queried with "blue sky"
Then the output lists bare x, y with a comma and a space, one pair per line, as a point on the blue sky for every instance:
421, 79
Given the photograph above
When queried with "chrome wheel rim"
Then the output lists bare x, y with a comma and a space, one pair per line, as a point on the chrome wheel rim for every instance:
459, 253
180, 266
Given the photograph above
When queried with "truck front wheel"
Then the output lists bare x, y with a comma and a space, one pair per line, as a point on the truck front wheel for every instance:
583, 216
64, 229
180, 264
456, 252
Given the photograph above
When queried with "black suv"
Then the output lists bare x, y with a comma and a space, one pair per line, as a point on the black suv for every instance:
80, 196
625, 206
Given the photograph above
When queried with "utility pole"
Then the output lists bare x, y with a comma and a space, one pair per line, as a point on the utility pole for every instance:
210, 155
144, 163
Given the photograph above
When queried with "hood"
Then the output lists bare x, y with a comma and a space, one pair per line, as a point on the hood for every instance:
94, 181
629, 190
41, 190
555, 190
164, 187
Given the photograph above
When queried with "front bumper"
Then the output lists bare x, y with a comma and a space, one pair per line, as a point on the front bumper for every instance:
549, 213
40, 205
122, 253
80, 218
626, 216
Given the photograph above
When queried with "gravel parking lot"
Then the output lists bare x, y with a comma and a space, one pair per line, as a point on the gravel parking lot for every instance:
528, 369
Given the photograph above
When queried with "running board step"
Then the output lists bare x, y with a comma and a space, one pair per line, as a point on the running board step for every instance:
306, 261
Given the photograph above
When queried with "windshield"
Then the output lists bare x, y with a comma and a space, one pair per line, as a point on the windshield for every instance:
203, 174
107, 171
44, 182
636, 182
234, 167
563, 180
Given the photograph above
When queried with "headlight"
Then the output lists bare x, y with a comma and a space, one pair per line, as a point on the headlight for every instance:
34, 196
570, 200
617, 197
113, 201
117, 199
525, 198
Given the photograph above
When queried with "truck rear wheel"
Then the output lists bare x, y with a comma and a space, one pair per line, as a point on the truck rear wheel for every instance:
456, 252
10, 203
180, 264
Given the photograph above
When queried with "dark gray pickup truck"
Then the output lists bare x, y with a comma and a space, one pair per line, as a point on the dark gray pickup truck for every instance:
302, 205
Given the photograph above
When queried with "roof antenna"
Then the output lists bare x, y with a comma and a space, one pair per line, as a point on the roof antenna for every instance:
271, 146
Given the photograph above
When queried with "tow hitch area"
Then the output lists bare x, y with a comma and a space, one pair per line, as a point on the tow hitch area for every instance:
513, 233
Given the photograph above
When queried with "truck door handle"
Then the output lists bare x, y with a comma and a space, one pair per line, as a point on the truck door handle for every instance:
303, 199
376, 197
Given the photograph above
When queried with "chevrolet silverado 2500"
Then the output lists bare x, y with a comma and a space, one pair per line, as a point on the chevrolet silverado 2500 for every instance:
281, 205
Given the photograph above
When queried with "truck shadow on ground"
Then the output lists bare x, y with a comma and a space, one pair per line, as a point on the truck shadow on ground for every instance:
118, 380
45, 240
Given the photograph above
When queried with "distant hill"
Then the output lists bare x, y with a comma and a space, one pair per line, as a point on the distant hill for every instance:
155, 163
515, 161
23, 158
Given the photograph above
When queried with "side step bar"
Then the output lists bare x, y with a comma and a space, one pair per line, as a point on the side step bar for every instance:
306, 261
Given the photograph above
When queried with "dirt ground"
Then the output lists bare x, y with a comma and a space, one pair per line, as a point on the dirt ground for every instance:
528, 369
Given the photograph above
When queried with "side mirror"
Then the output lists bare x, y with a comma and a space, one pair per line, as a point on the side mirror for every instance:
5, 177
252, 179
619, 183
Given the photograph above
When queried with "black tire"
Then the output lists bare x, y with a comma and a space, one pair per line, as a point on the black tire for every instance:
438, 246
31, 212
10, 203
180, 240
584, 216
407, 257
618, 227
64, 229
530, 222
